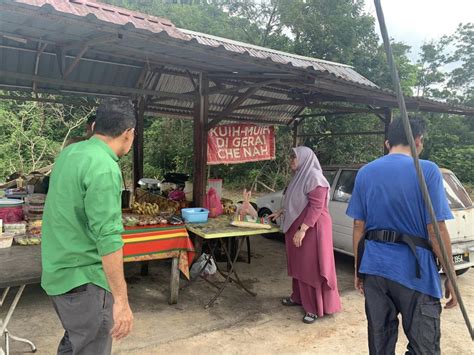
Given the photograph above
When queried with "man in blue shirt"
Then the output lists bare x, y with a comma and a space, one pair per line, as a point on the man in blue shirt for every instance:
397, 271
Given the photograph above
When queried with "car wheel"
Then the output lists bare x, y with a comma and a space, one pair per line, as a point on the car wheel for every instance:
265, 212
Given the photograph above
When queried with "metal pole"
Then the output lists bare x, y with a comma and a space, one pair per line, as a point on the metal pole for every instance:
406, 124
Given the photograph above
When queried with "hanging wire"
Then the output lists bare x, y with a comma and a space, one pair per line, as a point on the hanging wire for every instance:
406, 124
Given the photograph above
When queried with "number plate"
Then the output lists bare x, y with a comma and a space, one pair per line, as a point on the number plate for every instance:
460, 258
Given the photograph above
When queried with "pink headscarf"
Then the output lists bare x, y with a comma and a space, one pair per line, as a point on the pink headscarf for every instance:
307, 177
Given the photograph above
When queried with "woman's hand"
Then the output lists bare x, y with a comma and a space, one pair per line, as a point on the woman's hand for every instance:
298, 237
275, 215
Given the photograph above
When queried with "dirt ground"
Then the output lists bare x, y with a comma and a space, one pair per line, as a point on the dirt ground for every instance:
238, 323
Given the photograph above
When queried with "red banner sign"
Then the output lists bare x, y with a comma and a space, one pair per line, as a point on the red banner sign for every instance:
240, 143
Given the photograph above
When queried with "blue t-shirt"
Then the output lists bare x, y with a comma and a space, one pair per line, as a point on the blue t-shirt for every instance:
387, 195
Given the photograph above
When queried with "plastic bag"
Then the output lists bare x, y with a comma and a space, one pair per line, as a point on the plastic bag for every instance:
213, 203
246, 208
203, 266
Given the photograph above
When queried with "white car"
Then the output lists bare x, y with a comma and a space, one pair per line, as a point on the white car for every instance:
461, 228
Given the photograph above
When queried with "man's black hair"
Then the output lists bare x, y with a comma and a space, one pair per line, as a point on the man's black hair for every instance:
396, 133
90, 120
114, 116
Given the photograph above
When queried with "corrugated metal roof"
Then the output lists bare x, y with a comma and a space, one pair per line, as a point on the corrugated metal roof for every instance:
122, 44
108, 13
339, 70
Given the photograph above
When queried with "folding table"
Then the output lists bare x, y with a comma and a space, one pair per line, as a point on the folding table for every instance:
218, 229
19, 266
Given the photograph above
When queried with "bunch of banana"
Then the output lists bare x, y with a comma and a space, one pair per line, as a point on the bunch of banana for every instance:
145, 208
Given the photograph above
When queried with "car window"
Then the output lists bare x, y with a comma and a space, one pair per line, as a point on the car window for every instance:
457, 196
330, 175
345, 185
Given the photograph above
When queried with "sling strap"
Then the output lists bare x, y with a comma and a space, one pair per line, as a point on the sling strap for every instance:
387, 236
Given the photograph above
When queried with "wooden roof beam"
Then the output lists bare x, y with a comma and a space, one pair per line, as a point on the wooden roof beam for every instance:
108, 89
232, 107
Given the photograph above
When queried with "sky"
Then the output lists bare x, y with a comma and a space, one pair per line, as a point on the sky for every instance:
416, 21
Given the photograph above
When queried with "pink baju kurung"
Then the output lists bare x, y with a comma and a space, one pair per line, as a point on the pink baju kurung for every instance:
312, 265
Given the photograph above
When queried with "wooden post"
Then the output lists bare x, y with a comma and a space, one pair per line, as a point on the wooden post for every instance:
387, 121
138, 142
174, 281
201, 110
296, 132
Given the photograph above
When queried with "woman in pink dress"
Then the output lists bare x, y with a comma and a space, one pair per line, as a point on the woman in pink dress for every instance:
308, 235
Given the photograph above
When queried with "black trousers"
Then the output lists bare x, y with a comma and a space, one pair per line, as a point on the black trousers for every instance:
384, 301
87, 320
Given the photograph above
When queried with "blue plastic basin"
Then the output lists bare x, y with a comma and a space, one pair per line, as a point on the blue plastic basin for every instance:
195, 215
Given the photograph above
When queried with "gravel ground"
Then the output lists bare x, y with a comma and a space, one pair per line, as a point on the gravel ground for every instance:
238, 323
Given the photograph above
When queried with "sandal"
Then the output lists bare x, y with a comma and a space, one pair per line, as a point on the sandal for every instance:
309, 318
288, 302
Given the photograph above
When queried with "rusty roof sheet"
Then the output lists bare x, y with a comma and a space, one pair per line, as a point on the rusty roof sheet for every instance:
109, 14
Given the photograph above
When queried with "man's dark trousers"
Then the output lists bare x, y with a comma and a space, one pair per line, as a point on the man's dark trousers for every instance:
86, 316
384, 300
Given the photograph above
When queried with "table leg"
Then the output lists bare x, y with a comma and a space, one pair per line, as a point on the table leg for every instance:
198, 245
23, 340
231, 271
144, 268
4, 295
4, 322
7, 342
237, 281
174, 282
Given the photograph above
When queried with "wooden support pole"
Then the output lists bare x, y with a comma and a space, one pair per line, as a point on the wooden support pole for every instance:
174, 281
387, 121
138, 142
61, 59
297, 133
201, 110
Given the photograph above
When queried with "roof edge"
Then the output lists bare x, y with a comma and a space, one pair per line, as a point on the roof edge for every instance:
264, 49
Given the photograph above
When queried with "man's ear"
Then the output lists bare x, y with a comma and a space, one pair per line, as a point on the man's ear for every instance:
387, 144
93, 126
418, 141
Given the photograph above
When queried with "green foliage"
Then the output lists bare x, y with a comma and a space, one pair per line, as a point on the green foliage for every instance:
337, 30
168, 146
458, 159
450, 143
32, 133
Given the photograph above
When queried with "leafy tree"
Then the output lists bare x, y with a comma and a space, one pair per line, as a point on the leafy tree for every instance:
461, 79
33, 133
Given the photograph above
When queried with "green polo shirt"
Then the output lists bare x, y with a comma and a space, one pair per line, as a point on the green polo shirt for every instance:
82, 218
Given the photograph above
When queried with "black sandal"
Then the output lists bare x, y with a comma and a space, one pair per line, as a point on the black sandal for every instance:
309, 318
288, 302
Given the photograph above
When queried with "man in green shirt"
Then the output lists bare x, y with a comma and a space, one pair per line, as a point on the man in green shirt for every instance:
82, 257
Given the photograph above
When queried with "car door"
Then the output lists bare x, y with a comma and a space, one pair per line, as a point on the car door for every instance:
342, 225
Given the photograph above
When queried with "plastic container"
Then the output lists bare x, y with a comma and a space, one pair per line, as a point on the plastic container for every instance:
195, 215
6, 240
11, 214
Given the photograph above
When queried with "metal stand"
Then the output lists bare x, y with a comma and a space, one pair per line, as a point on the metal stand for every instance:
4, 322
230, 272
